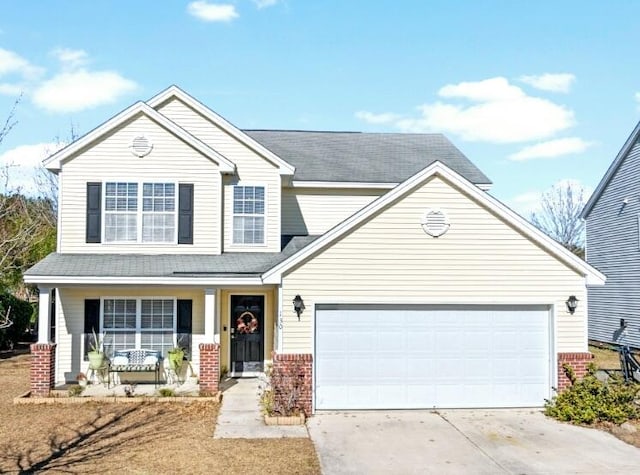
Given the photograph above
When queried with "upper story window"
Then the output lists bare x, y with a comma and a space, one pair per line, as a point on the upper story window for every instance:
127, 221
248, 215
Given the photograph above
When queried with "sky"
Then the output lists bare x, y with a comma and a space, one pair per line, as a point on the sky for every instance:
534, 93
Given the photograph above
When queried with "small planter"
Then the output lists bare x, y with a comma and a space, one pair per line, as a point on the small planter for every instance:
96, 360
284, 420
175, 359
82, 383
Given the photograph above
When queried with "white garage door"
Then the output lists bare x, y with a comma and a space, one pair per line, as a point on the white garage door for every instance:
382, 357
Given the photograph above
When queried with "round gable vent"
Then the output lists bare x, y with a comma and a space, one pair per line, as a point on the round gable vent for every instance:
435, 222
141, 146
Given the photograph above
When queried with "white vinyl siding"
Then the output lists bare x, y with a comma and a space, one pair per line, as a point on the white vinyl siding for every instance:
389, 259
251, 167
313, 211
70, 321
171, 161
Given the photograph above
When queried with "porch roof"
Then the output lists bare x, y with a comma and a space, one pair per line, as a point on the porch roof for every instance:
229, 264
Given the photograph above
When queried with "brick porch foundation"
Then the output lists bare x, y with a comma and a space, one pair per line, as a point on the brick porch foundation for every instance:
43, 368
299, 369
578, 361
209, 368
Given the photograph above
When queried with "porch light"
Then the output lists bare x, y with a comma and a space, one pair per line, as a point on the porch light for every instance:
572, 304
298, 305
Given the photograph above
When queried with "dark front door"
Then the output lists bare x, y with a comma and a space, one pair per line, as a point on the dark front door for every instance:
247, 333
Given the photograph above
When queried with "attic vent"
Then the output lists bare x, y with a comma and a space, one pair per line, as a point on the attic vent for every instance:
435, 223
141, 146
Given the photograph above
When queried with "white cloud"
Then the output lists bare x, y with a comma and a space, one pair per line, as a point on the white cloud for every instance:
552, 149
80, 90
502, 113
211, 11
264, 3
8, 89
550, 82
21, 165
372, 118
71, 58
13, 63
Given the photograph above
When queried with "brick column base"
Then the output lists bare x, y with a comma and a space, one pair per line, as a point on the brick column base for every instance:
209, 368
578, 361
43, 368
297, 371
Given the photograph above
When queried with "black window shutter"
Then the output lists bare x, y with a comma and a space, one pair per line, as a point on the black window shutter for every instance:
184, 325
94, 211
185, 213
91, 323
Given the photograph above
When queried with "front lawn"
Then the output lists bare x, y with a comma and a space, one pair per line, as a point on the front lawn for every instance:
605, 358
130, 438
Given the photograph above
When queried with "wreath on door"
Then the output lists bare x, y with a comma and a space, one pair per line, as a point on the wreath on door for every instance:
247, 323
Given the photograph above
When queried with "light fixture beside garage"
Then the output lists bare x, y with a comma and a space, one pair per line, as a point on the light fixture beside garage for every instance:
435, 222
572, 304
298, 305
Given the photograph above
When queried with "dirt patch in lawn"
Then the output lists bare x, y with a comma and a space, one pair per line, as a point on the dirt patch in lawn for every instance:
136, 438
605, 357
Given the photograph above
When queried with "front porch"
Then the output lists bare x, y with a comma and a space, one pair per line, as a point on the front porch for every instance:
226, 330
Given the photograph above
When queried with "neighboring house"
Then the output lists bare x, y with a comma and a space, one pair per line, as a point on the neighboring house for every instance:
415, 288
612, 217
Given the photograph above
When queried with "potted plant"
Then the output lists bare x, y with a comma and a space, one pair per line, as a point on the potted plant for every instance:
82, 379
96, 354
176, 356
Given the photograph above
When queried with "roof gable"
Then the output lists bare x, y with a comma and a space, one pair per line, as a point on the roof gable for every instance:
175, 92
593, 277
611, 171
55, 161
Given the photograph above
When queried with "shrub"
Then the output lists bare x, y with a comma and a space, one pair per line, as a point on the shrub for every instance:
75, 390
590, 400
166, 392
281, 396
20, 315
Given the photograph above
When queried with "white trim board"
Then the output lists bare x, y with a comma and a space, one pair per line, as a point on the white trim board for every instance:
593, 276
175, 92
55, 161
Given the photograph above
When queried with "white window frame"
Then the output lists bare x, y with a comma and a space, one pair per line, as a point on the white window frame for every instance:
139, 212
263, 216
138, 328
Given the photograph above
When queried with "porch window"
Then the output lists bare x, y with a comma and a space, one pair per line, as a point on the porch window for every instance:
138, 323
248, 214
127, 221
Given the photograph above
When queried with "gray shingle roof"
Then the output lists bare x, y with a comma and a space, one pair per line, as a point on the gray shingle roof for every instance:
364, 157
165, 265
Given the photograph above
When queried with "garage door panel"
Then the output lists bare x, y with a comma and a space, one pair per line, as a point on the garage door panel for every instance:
381, 357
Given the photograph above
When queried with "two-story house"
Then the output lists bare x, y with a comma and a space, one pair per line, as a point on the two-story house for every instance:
612, 217
378, 262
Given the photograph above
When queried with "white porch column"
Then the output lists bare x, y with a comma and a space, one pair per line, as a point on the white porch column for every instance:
279, 322
44, 315
210, 317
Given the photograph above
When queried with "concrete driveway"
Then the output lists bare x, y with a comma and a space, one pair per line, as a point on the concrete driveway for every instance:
464, 442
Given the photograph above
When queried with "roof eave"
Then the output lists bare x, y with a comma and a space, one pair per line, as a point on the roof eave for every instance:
626, 148
592, 275
284, 167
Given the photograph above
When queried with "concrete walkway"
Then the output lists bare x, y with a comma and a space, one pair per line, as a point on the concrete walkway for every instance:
240, 416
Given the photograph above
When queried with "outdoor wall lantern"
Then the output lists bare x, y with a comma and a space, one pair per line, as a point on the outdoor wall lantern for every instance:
298, 305
572, 304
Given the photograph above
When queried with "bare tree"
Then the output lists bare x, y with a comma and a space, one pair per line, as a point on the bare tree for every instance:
27, 225
559, 216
